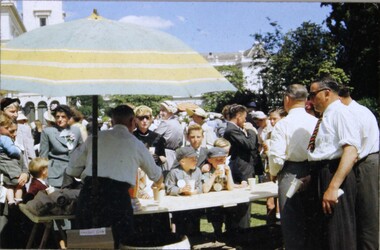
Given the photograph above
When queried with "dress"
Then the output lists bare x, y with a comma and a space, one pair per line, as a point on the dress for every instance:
56, 145
120, 155
338, 128
367, 172
288, 160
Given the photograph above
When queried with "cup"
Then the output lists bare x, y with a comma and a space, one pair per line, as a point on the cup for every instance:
251, 183
50, 190
221, 169
152, 150
192, 184
294, 186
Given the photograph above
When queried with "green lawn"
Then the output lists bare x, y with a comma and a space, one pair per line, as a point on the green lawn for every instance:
258, 216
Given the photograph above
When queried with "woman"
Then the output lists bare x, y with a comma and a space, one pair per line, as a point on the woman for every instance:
57, 142
171, 130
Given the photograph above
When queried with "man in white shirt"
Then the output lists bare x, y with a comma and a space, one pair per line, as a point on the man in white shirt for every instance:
333, 151
288, 160
367, 174
120, 154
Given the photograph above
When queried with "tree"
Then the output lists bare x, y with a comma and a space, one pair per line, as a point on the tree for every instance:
356, 28
298, 56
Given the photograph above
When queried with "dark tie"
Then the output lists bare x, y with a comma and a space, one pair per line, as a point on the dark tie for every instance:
311, 145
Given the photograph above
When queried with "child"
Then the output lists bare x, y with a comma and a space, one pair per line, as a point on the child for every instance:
185, 179
219, 178
38, 168
10, 156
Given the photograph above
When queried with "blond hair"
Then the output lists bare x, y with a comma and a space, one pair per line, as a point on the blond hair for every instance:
222, 143
5, 121
37, 165
195, 127
142, 110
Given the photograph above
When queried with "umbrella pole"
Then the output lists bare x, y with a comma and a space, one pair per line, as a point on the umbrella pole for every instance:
95, 184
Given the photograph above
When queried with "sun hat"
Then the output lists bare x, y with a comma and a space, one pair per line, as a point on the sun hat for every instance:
258, 115
169, 106
21, 116
48, 116
198, 111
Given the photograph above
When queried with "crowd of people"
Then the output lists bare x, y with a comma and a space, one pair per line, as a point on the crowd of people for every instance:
321, 137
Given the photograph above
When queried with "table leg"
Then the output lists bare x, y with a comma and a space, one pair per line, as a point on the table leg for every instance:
47, 230
32, 235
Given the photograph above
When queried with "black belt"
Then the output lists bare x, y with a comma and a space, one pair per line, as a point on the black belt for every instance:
323, 163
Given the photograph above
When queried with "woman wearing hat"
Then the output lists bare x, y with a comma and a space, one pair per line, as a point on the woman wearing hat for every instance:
171, 130
56, 144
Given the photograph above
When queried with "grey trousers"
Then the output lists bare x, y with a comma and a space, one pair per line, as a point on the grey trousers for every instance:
367, 202
293, 210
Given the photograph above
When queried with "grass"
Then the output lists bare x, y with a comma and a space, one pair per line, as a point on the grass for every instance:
258, 216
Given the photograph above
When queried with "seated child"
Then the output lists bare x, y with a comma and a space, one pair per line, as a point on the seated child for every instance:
10, 165
217, 179
38, 168
185, 179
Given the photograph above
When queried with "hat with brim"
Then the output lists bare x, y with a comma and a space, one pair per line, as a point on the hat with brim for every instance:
5, 102
216, 152
169, 106
258, 115
185, 152
49, 117
198, 111
21, 117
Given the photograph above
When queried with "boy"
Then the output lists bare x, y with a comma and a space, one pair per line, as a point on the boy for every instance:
38, 168
185, 179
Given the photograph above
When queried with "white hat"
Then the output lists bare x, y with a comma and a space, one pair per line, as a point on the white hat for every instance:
198, 111
21, 116
258, 115
169, 106
49, 117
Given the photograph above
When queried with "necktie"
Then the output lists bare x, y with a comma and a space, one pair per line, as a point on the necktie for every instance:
311, 145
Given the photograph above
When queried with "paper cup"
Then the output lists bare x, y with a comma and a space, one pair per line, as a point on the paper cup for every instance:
221, 168
251, 183
50, 190
152, 150
158, 194
192, 184
294, 186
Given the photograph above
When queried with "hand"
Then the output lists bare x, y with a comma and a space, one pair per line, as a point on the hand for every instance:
273, 178
161, 186
227, 169
23, 179
186, 190
206, 168
330, 199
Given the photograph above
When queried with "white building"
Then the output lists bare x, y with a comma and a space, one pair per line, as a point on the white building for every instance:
244, 60
35, 14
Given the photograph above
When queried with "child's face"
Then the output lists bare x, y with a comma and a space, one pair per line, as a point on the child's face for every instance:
4, 130
274, 117
195, 138
13, 131
215, 161
188, 163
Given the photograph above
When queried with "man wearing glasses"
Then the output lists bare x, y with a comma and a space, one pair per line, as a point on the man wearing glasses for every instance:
333, 151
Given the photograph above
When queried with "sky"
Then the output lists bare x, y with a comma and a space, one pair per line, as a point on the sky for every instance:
205, 26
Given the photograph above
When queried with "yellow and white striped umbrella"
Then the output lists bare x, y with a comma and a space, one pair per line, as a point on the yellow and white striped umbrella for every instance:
98, 56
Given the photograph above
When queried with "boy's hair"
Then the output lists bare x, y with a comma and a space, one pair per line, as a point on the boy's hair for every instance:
37, 165
195, 127
5, 121
222, 143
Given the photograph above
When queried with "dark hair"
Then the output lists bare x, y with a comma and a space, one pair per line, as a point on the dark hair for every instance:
329, 83
122, 113
235, 109
297, 92
77, 115
65, 109
278, 110
226, 112
344, 91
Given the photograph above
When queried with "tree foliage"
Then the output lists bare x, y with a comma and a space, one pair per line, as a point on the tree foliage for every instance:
298, 56
356, 28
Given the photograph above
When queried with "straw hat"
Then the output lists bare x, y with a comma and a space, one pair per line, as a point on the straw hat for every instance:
49, 117
21, 116
198, 111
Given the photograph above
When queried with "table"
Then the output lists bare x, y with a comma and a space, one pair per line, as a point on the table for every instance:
212, 199
168, 204
47, 221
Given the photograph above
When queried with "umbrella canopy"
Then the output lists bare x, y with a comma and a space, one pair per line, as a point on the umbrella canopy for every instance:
95, 56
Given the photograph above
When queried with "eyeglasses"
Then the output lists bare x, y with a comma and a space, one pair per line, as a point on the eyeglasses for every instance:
143, 117
315, 93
